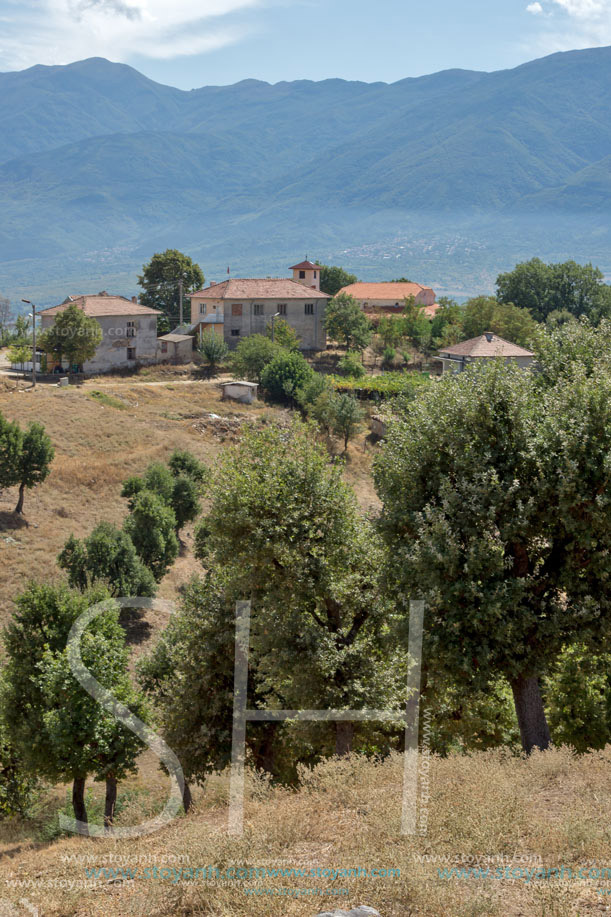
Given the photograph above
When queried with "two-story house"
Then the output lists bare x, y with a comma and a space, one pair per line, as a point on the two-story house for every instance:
240, 307
129, 330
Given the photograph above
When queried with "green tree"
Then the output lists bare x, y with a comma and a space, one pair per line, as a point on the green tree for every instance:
184, 462
252, 355
348, 417
284, 334
485, 313
177, 485
213, 350
58, 729
16, 784
543, 288
499, 524
351, 364
107, 555
11, 444
286, 374
286, 531
573, 347
189, 677
151, 526
35, 459
73, 336
346, 323
578, 691
160, 280
333, 279
391, 329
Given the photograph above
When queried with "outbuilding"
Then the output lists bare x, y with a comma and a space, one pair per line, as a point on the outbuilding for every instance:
245, 392
175, 348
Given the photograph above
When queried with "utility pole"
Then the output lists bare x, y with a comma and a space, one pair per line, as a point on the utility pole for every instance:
180, 282
33, 340
273, 317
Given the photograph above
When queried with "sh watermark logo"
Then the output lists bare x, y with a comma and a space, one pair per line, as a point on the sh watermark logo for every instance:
241, 716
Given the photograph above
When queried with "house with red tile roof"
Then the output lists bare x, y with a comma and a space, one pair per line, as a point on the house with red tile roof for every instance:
129, 330
237, 308
487, 346
390, 296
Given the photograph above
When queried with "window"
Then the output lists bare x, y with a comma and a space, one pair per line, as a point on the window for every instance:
203, 308
235, 332
314, 275
236, 308
258, 309
309, 308
282, 309
302, 275
130, 331
131, 353
164, 346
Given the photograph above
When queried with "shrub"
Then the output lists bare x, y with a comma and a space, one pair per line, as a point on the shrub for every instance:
213, 350
351, 365
107, 555
152, 528
286, 374
252, 355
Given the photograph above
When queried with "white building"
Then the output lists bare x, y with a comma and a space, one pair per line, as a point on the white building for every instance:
129, 331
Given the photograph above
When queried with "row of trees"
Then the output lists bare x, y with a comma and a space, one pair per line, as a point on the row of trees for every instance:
494, 510
50, 727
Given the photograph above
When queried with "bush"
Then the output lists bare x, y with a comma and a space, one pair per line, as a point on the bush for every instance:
285, 375
16, 785
213, 350
351, 365
107, 555
386, 385
388, 356
152, 528
252, 355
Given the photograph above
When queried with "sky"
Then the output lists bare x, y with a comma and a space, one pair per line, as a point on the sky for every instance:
191, 43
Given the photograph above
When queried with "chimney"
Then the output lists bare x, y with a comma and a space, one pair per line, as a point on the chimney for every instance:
489, 336
135, 299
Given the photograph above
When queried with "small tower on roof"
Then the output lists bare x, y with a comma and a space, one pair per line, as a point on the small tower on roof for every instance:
307, 273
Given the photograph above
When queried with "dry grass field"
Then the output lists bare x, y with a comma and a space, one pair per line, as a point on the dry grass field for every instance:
490, 810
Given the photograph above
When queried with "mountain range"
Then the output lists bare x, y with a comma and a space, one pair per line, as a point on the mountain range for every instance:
447, 178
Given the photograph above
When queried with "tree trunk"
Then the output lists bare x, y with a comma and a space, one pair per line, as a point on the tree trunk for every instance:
19, 507
344, 735
531, 714
187, 800
78, 801
109, 805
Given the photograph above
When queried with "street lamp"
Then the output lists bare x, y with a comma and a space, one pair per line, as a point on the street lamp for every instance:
33, 314
273, 317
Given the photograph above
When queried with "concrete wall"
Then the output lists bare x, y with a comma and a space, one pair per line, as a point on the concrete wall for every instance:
177, 351
455, 366
310, 328
112, 351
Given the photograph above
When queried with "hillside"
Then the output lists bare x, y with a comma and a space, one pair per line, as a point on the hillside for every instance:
96, 158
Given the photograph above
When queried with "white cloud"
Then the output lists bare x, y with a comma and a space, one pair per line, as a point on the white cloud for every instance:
534, 8
60, 31
570, 24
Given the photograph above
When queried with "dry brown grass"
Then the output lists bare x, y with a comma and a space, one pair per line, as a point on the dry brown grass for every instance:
98, 445
551, 810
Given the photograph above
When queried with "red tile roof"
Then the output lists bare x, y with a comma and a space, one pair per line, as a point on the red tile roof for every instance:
259, 289
101, 304
429, 311
305, 266
486, 345
385, 290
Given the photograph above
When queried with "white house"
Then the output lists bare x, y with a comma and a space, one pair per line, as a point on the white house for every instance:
129, 330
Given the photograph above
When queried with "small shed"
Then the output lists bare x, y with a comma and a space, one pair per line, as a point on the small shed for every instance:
379, 425
175, 348
245, 392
